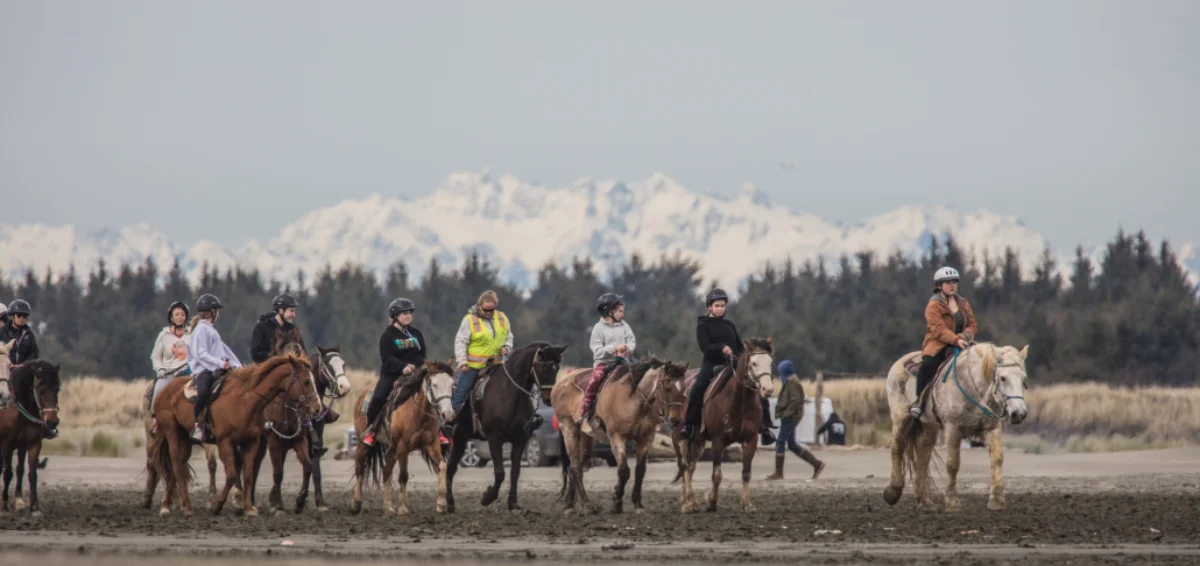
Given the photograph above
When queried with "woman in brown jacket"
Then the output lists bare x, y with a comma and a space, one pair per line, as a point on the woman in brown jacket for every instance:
949, 321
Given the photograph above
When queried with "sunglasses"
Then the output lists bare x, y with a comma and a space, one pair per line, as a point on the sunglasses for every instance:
488, 310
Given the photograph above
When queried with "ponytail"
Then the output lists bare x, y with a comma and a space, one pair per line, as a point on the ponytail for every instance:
203, 315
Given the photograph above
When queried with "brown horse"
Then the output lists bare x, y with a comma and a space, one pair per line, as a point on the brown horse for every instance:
633, 402
210, 451
24, 423
414, 425
732, 414
237, 423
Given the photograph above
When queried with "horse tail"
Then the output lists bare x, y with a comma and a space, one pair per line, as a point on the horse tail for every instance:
160, 456
565, 463
429, 462
372, 464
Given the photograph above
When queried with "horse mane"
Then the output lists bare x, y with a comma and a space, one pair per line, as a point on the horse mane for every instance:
763, 344
22, 376
639, 369
438, 367
257, 373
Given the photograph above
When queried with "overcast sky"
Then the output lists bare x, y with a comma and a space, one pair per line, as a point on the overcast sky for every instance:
1077, 116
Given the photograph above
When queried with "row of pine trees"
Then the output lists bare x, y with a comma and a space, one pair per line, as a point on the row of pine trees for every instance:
1134, 319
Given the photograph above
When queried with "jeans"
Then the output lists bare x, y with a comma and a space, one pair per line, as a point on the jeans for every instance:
787, 437
462, 388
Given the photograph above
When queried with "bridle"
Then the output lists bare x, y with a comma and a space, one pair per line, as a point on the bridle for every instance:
37, 402
295, 407
328, 375
752, 382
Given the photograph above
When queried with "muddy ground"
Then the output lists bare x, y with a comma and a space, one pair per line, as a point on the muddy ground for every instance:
1077, 508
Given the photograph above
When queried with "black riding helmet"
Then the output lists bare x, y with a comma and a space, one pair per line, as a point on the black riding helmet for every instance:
177, 305
20, 307
208, 302
607, 302
400, 306
284, 301
714, 296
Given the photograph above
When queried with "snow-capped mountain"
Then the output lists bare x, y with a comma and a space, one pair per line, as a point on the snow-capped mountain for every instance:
520, 226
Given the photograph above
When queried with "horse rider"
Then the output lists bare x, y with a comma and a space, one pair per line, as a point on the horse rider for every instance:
790, 411
276, 329
612, 338
401, 353
483, 335
946, 310
208, 355
170, 353
721, 344
18, 330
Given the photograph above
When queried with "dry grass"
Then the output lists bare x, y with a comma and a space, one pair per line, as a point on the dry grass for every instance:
104, 416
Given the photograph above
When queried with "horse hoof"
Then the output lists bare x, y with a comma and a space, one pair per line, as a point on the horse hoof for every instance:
188, 512
441, 509
749, 508
617, 508
953, 506
514, 508
892, 494
164, 512
36, 514
402, 510
488, 498
19, 504
389, 511
569, 511
690, 508
639, 511
281, 512
322, 509
996, 504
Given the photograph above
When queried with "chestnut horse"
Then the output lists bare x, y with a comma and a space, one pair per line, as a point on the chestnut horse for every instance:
237, 423
732, 415
32, 414
414, 425
210, 451
631, 406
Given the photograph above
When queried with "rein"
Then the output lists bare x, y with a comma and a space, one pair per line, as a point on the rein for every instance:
953, 371
16, 401
288, 407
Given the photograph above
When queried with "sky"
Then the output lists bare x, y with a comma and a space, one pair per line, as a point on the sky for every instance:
228, 120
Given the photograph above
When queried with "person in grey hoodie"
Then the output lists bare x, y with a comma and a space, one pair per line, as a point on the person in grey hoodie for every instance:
170, 354
611, 339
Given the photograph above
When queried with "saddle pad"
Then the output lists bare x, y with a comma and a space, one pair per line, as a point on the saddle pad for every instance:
391, 400
190, 393
480, 384
580, 377
913, 364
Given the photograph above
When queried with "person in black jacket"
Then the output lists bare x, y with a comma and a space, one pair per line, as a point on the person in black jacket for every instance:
18, 330
275, 330
401, 352
836, 428
719, 342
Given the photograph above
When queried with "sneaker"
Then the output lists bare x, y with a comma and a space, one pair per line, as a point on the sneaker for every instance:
154, 429
369, 439
198, 433
442, 439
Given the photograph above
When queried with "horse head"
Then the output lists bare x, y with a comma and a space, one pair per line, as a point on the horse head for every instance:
5, 395
546, 360
1006, 368
39, 379
299, 387
438, 384
754, 369
331, 369
672, 395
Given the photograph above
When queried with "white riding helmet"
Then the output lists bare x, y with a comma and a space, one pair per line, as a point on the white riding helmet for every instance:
945, 274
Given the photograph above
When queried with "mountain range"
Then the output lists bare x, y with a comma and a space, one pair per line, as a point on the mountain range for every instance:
519, 226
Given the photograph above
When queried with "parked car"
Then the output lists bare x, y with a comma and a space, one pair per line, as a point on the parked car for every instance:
545, 447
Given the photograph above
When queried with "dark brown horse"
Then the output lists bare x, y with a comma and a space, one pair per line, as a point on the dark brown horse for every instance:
412, 426
287, 432
237, 423
505, 413
32, 414
731, 415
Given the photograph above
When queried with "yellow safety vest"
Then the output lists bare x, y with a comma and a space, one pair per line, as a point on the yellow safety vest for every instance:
483, 344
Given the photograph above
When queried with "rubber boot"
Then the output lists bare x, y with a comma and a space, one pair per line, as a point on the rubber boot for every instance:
778, 475
817, 465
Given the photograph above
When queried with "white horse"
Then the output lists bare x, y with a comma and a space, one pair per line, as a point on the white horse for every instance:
5, 387
972, 394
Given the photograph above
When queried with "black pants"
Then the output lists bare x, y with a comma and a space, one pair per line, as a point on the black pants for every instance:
928, 371
383, 389
204, 381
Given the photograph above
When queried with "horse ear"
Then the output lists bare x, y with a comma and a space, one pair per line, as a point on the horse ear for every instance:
747, 344
770, 340
450, 362
686, 366
1024, 351
429, 364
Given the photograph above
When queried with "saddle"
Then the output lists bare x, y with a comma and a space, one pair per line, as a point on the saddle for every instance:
390, 406
718, 382
912, 364
582, 376
190, 392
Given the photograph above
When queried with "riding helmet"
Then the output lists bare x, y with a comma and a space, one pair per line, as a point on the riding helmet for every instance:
608, 302
284, 301
945, 274
399, 306
178, 305
19, 306
714, 296
208, 302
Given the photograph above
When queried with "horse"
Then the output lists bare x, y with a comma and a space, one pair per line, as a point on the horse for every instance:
24, 423
732, 414
506, 413
634, 400
413, 425
5, 393
285, 431
237, 424
210, 451
975, 391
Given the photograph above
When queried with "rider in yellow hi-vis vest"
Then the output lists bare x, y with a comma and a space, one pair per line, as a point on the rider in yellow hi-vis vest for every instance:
485, 333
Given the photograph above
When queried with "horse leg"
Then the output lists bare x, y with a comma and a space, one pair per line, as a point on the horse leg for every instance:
433, 451
303, 452
691, 455
516, 473
639, 473
996, 459
210, 456
316, 479
570, 471
402, 481
953, 442
34, 452
925, 444
399, 450
748, 450
360, 457
180, 448
457, 449
896, 486
278, 456
151, 475
493, 492
19, 494
249, 472
718, 454
6, 463
226, 452
618, 447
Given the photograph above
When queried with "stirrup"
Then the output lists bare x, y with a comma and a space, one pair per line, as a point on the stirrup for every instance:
916, 411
